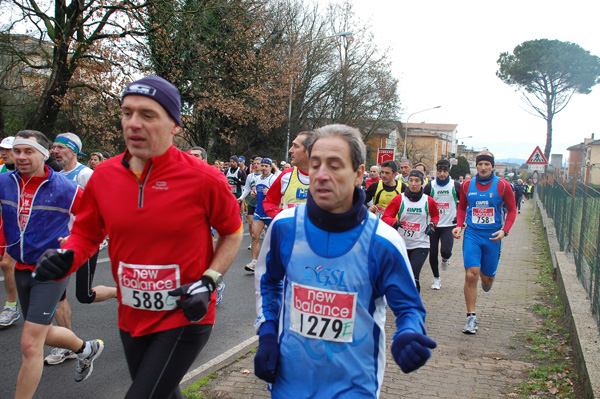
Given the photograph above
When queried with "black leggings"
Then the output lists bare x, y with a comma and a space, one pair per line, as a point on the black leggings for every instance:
417, 257
84, 280
157, 362
443, 234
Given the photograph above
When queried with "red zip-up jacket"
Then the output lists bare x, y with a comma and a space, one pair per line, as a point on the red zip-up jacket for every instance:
159, 228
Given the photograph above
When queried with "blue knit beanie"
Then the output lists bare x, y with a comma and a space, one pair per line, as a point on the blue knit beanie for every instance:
161, 91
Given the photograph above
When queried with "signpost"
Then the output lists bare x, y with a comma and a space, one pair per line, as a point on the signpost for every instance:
385, 154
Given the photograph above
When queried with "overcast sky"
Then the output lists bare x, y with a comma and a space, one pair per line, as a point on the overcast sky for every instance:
445, 53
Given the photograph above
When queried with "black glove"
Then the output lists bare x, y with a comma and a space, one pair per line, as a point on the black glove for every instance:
54, 264
198, 295
430, 229
397, 224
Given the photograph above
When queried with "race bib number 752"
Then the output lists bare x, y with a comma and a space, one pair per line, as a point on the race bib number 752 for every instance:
146, 286
322, 314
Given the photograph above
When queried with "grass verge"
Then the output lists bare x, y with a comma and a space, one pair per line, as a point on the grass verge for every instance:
548, 347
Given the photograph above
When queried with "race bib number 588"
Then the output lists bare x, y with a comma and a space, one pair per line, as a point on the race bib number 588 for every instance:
322, 314
146, 286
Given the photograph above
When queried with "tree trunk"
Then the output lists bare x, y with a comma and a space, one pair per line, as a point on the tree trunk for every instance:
50, 102
549, 117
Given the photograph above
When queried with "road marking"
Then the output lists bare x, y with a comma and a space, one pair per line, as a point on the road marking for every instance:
223, 359
103, 260
1, 278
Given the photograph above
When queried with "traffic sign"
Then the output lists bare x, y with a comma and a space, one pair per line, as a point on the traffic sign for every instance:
536, 168
453, 161
385, 154
537, 157
535, 178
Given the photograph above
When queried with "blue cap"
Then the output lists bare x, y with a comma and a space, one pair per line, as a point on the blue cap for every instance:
267, 161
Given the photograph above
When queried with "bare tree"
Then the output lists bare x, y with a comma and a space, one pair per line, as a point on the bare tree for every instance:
70, 34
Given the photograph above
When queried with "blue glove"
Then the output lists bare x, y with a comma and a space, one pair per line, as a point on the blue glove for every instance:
54, 264
267, 356
411, 350
198, 294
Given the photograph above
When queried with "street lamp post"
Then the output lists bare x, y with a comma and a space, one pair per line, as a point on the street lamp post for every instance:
289, 124
406, 129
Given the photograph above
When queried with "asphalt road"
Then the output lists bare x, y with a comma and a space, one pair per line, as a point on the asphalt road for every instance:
110, 379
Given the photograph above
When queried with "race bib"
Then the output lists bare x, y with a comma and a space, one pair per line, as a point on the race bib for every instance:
233, 189
146, 286
444, 208
322, 314
288, 206
412, 230
483, 216
380, 211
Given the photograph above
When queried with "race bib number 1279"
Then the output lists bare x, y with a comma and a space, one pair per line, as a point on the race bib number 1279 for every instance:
146, 286
322, 314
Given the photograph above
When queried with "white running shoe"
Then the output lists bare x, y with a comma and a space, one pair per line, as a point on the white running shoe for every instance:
59, 355
250, 266
250, 247
445, 264
471, 325
437, 283
85, 365
220, 289
9, 316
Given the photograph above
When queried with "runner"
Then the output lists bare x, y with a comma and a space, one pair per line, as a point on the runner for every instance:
66, 148
446, 193
405, 168
291, 187
36, 204
385, 190
10, 314
481, 207
373, 175
261, 219
166, 272
250, 188
332, 265
235, 176
415, 216
423, 168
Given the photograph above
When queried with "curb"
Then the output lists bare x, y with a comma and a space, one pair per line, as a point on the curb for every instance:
219, 362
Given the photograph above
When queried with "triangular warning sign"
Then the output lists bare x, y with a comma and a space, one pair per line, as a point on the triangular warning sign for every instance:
537, 157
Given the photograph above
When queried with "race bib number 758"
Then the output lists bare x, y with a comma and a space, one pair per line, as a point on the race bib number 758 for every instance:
322, 314
146, 286
483, 216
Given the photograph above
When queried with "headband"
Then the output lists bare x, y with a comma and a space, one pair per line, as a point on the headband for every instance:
70, 144
34, 144
484, 157
266, 161
417, 173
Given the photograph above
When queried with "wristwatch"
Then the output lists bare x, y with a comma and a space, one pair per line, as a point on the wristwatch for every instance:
505, 233
216, 277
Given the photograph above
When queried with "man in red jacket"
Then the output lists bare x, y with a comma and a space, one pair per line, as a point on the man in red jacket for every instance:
158, 213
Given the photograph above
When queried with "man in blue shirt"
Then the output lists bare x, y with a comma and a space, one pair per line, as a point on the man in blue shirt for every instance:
323, 277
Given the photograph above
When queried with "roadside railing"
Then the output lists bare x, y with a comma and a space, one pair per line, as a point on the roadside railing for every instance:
575, 210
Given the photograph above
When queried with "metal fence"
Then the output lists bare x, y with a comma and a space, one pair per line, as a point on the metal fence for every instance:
575, 209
